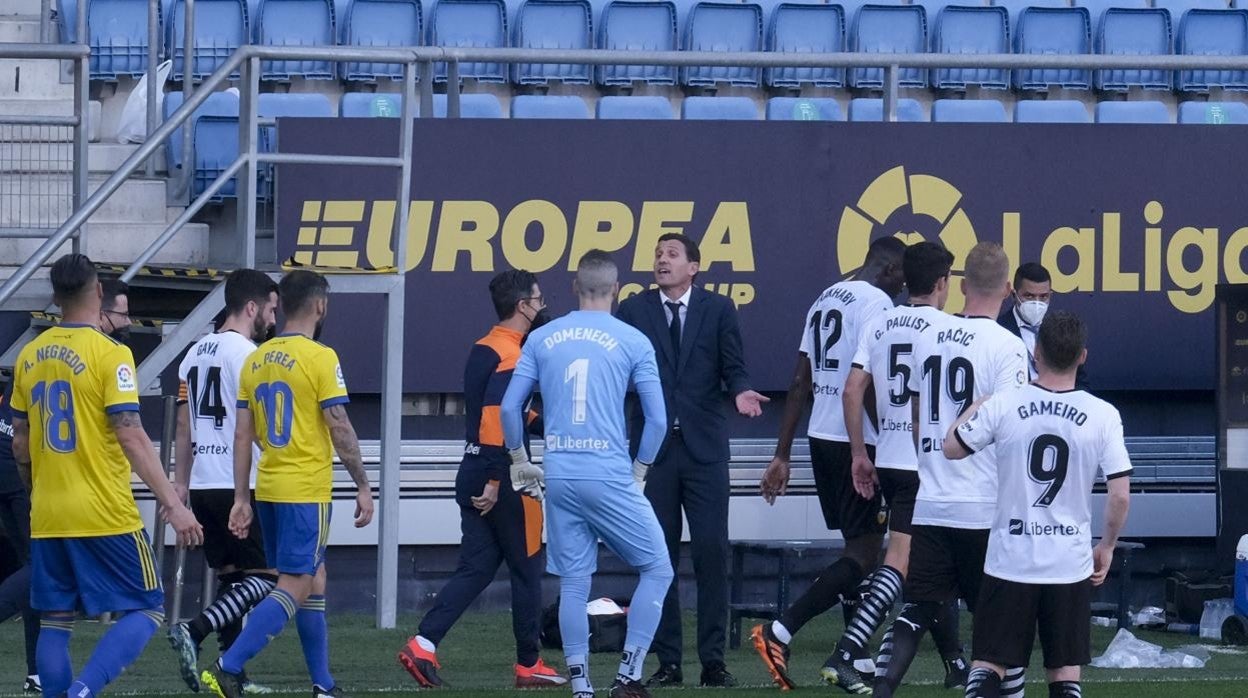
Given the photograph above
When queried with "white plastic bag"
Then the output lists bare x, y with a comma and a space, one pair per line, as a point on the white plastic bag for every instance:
1126, 651
133, 126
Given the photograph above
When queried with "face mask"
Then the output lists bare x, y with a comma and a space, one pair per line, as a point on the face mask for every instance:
121, 334
540, 318
1032, 312
320, 326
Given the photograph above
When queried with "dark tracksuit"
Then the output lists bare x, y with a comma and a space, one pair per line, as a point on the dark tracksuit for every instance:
15, 522
512, 531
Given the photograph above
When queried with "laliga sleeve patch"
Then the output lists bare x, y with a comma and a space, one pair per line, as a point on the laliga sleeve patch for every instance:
338, 372
125, 379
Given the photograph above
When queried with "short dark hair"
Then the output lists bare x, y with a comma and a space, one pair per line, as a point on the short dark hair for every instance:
299, 288
1032, 271
692, 253
924, 264
509, 288
885, 250
70, 275
596, 274
111, 289
246, 285
1062, 337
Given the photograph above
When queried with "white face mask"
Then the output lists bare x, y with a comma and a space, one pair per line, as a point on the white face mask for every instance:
1032, 312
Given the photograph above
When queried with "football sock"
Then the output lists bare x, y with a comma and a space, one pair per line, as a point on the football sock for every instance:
838, 580
647, 605
945, 628
1065, 689
630, 663
573, 621
120, 646
883, 586
56, 672
266, 622
901, 644
1015, 682
578, 674
231, 605
782, 633
983, 683
314, 637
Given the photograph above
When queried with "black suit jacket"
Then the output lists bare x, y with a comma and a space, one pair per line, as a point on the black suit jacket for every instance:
1007, 320
710, 358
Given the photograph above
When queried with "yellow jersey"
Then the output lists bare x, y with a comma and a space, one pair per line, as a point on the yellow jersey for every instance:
286, 383
66, 384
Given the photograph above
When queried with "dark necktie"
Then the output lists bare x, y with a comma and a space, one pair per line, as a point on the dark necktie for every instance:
674, 328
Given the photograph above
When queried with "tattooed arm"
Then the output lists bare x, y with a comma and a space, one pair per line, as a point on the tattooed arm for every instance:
142, 456
348, 447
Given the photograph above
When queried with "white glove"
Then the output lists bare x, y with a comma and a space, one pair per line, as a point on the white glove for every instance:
526, 477
639, 474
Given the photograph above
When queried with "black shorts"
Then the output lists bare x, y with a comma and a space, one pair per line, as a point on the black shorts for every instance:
222, 548
946, 564
900, 488
842, 508
1010, 613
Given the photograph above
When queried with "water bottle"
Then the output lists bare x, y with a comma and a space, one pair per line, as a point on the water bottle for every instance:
1241, 577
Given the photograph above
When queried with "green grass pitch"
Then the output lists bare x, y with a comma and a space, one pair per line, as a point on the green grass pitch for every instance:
478, 654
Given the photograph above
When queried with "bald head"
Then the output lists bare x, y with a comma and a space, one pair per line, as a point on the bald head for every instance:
596, 276
987, 271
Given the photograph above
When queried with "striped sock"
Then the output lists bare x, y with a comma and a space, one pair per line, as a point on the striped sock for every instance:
983, 683
120, 646
314, 637
884, 586
266, 622
56, 671
1065, 689
1015, 682
237, 601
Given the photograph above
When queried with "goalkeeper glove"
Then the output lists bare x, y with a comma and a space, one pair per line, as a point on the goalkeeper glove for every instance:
526, 477
639, 474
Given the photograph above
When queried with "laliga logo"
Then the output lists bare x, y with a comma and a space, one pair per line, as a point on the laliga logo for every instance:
898, 204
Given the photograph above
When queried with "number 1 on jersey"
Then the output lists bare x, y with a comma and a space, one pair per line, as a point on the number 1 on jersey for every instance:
578, 374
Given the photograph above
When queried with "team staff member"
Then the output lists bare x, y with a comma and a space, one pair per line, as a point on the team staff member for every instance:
75, 427
1033, 291
115, 310
15, 523
698, 345
498, 523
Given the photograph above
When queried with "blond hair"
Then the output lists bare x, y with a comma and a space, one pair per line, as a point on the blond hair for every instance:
987, 269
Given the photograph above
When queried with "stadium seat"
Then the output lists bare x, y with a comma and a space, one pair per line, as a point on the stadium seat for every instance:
383, 23
295, 23
217, 104
274, 105
803, 109
1058, 111
1208, 28
726, 108
1213, 113
216, 147
962, 29
117, 34
1051, 30
67, 20
796, 27
888, 29
471, 106
469, 24
558, 24
549, 107
984, 111
867, 109
613, 107
1016, 8
723, 27
1127, 28
221, 27
643, 25
1143, 112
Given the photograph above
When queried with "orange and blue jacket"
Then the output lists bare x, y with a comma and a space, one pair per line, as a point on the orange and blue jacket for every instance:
490, 365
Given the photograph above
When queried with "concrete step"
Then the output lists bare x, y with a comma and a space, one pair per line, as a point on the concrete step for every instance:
35, 294
119, 242
21, 79
45, 200
56, 157
46, 107
20, 7
22, 29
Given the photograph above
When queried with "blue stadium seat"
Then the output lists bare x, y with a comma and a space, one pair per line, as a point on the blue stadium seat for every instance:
797, 27
613, 107
985, 111
561, 24
1127, 29
216, 147
965, 29
1142, 112
644, 25
217, 104
868, 109
803, 109
723, 27
1049, 30
723, 108
1016, 8
469, 24
1057, 111
549, 107
1213, 113
67, 19
1208, 28
117, 34
272, 106
471, 106
380, 23
888, 29
221, 27
295, 23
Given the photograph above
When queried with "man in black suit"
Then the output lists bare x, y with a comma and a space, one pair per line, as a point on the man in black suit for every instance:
698, 346
1033, 290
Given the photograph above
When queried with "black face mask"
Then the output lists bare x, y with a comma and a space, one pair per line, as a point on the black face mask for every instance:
539, 318
320, 327
121, 334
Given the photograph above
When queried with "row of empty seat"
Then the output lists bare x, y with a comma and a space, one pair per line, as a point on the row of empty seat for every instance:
118, 37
